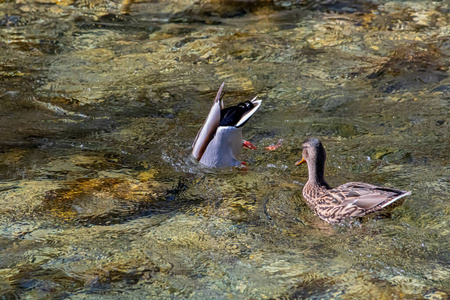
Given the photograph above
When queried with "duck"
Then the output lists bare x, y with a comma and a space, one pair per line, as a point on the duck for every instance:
219, 142
350, 200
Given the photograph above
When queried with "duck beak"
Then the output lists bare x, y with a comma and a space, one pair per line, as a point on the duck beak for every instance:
300, 162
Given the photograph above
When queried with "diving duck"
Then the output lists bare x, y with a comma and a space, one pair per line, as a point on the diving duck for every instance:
219, 140
353, 199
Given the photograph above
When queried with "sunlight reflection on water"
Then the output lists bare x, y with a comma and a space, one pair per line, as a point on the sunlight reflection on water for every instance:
98, 109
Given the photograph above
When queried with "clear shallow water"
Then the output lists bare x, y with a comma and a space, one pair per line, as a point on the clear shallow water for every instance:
98, 109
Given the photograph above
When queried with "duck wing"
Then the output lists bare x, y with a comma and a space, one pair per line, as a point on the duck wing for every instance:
209, 127
355, 199
366, 196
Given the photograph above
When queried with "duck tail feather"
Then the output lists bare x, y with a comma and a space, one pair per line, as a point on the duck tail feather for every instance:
403, 194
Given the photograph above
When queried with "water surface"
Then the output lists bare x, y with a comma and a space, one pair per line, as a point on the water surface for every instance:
99, 104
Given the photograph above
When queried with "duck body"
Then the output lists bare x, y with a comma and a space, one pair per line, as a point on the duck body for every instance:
219, 141
223, 148
353, 199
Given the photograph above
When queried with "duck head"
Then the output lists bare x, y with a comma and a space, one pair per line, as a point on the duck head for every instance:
315, 156
219, 141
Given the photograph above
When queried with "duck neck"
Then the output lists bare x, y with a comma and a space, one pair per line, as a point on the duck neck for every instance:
316, 171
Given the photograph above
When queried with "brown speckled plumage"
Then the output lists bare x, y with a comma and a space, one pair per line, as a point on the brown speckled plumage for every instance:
353, 199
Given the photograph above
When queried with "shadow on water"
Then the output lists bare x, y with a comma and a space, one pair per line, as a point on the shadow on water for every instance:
77, 202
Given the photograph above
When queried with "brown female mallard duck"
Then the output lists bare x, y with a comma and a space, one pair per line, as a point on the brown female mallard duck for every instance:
353, 199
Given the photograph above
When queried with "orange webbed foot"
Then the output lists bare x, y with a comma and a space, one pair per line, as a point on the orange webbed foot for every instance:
248, 145
276, 146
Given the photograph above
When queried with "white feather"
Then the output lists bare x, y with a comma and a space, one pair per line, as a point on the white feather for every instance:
206, 133
223, 148
396, 198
